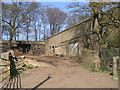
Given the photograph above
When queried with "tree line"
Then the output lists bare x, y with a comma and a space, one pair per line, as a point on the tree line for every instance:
31, 19
35, 21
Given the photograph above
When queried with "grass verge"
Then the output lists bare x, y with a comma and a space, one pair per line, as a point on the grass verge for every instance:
92, 70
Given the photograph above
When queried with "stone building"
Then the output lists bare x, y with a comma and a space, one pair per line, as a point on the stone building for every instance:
30, 47
73, 41
67, 42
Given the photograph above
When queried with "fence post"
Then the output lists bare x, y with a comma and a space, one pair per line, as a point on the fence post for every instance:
0, 77
115, 72
4, 68
118, 64
1, 70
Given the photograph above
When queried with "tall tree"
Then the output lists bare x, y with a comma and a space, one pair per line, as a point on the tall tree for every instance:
56, 19
15, 14
78, 12
103, 19
43, 20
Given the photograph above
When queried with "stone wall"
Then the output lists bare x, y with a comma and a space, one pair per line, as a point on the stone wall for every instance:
118, 65
30, 47
37, 49
90, 58
69, 44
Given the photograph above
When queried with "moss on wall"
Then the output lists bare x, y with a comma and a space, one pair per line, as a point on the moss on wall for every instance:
70, 40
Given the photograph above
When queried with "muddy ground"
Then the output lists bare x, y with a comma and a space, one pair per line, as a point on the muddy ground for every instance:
64, 74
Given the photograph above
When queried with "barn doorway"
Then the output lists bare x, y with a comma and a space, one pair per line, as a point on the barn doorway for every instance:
24, 48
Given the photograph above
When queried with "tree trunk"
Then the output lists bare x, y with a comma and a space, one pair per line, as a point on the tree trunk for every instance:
51, 29
96, 28
18, 35
15, 37
39, 30
35, 31
44, 33
27, 32
12, 32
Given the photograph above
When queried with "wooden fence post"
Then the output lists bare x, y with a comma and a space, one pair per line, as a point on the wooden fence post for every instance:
4, 68
1, 70
0, 74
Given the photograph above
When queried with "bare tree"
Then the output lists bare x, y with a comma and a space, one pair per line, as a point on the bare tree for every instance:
79, 10
44, 21
15, 14
56, 19
104, 19
72, 19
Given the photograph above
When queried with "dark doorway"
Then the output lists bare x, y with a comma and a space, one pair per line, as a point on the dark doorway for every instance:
53, 48
25, 48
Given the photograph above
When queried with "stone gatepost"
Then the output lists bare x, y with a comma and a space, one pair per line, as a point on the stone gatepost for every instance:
115, 72
118, 64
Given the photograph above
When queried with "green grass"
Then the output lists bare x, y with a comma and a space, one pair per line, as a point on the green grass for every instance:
87, 68
92, 70
24, 68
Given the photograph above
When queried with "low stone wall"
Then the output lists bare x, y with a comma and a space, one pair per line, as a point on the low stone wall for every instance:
37, 49
90, 58
119, 67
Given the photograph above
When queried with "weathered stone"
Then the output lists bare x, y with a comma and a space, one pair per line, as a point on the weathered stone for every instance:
66, 41
37, 49
5, 55
115, 72
118, 65
96, 60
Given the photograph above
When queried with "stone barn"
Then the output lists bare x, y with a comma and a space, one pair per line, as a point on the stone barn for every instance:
67, 42
72, 42
30, 47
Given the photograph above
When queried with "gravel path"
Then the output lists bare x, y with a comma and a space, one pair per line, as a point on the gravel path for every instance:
65, 75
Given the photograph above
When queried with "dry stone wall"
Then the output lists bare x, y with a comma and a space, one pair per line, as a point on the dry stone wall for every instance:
37, 49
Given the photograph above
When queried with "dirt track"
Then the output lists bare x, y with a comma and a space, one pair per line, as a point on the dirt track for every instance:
65, 74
